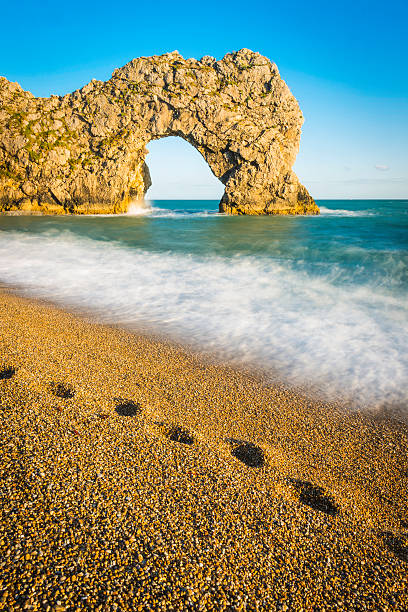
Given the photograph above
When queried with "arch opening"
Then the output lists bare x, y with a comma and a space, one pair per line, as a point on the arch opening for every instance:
178, 171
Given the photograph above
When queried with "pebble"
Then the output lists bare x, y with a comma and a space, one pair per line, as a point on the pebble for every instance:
125, 516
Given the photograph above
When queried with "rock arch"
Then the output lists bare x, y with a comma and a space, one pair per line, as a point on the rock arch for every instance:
85, 152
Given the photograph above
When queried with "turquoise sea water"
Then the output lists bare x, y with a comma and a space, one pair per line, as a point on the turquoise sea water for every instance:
319, 301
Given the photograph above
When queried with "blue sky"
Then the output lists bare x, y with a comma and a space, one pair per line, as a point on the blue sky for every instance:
346, 62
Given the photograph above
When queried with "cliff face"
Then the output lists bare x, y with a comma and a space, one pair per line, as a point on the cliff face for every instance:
85, 152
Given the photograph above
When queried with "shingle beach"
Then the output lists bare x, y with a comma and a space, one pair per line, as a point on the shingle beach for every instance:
136, 475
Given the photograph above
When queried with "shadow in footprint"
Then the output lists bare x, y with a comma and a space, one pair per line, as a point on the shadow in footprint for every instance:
248, 453
315, 497
396, 544
181, 435
61, 390
7, 373
128, 408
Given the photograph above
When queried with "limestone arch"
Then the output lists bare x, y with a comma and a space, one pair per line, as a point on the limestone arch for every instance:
85, 152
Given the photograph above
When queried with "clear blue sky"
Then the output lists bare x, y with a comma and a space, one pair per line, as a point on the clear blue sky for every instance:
346, 62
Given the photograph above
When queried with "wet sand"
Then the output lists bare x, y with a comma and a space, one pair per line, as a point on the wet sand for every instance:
137, 476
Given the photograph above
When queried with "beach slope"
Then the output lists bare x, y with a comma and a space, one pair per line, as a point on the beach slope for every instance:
137, 476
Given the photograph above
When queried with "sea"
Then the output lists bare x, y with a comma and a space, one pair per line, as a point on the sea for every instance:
320, 303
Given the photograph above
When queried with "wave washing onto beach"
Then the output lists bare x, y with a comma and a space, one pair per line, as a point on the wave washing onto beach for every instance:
328, 330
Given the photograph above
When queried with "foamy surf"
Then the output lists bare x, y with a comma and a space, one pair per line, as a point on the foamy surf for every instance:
146, 208
139, 208
340, 212
346, 340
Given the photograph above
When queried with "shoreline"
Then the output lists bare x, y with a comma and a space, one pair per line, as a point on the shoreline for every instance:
144, 330
268, 377
134, 461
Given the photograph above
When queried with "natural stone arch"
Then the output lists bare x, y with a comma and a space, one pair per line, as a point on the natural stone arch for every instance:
85, 152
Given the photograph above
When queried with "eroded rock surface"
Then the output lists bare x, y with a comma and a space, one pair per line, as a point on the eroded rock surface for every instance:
85, 152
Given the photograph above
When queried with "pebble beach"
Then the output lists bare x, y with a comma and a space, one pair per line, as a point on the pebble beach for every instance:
136, 475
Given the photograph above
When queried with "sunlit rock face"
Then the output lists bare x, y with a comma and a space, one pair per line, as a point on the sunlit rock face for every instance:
85, 152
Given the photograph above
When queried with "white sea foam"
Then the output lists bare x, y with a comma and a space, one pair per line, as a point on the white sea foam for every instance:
145, 209
138, 208
347, 340
340, 212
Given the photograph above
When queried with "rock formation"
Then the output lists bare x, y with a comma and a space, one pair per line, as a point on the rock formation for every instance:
85, 152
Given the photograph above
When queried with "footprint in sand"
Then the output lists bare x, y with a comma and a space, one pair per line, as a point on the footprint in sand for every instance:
176, 433
315, 496
128, 408
397, 544
247, 452
181, 435
62, 390
7, 373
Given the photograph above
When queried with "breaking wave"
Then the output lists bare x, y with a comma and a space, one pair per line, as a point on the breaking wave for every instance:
145, 208
339, 212
346, 340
